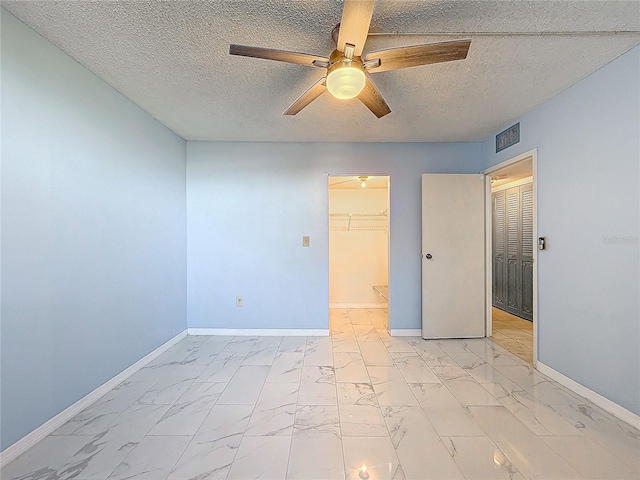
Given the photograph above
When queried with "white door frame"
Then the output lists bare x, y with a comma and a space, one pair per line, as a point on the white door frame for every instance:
533, 154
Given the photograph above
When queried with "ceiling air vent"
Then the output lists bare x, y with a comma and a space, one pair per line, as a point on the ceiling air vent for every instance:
509, 137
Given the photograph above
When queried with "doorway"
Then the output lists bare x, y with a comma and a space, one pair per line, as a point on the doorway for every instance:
511, 256
358, 252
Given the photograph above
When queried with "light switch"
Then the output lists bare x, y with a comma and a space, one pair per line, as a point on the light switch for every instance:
305, 241
542, 243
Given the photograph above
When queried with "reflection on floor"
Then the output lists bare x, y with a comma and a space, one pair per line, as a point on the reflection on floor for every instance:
356, 405
513, 333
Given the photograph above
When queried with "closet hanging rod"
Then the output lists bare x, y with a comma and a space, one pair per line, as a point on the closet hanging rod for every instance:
382, 213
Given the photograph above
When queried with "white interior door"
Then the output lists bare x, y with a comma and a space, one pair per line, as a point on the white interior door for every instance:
453, 256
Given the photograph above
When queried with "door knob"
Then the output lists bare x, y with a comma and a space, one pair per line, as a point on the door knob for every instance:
428, 256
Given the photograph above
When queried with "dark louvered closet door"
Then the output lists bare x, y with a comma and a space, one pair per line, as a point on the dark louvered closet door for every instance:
526, 258
498, 249
512, 250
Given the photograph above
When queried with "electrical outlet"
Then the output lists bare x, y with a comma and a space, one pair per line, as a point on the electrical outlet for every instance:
239, 302
305, 241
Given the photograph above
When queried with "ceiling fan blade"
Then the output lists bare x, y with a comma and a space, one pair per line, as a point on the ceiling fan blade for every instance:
373, 100
313, 92
354, 26
278, 55
415, 55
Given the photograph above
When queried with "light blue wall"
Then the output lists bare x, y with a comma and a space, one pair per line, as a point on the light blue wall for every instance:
93, 232
93, 237
249, 204
588, 141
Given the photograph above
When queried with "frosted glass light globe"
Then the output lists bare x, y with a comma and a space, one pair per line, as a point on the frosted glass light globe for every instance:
345, 82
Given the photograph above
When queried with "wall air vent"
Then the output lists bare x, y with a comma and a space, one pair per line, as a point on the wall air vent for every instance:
509, 137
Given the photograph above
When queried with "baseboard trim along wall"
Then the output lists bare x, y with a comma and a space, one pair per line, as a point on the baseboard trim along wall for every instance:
405, 332
613, 408
359, 305
262, 332
29, 440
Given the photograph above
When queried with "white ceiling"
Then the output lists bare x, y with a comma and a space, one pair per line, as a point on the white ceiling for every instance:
171, 58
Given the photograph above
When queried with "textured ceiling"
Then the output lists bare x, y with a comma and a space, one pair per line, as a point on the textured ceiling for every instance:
171, 58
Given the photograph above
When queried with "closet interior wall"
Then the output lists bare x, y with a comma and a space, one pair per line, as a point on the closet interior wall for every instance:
358, 246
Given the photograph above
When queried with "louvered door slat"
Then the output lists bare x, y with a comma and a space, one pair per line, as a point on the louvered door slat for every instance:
527, 223
512, 263
498, 250
526, 257
512, 223
498, 224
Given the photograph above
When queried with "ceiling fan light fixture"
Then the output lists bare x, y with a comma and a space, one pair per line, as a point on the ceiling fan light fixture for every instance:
346, 79
347, 70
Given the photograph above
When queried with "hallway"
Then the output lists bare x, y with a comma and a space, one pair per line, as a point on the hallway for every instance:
513, 334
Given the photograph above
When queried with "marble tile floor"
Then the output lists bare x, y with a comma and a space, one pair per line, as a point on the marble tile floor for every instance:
513, 334
356, 405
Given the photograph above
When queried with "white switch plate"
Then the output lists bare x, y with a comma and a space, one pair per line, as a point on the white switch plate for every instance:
239, 302
305, 241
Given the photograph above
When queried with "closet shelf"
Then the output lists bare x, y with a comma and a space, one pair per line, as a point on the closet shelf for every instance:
382, 290
345, 222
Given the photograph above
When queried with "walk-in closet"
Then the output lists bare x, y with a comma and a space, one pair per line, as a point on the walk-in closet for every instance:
359, 244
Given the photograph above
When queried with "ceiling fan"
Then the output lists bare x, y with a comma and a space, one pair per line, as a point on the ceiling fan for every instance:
347, 70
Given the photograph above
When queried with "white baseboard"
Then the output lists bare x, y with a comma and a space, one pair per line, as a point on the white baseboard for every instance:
595, 398
262, 332
359, 305
405, 332
29, 440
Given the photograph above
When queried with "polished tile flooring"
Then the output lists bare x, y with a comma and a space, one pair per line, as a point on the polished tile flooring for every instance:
513, 333
358, 405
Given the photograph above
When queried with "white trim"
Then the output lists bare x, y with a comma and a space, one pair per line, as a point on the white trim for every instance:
488, 260
597, 399
405, 332
262, 332
450, 338
29, 440
359, 305
389, 253
534, 316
